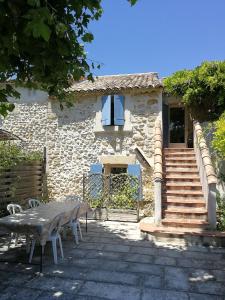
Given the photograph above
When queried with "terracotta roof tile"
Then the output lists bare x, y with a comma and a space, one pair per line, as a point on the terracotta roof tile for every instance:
118, 82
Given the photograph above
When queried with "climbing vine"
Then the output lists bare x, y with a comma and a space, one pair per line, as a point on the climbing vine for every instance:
202, 89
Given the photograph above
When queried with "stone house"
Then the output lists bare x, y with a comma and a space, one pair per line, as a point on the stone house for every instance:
118, 121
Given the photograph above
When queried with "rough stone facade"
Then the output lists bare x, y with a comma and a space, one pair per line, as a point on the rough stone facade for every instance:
71, 140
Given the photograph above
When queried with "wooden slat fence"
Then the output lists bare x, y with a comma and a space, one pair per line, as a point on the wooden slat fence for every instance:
21, 182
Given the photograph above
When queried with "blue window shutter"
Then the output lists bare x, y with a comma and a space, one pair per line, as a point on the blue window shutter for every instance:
96, 169
95, 181
119, 110
106, 110
135, 170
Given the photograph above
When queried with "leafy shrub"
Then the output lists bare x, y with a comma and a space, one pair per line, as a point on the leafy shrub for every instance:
114, 191
218, 142
96, 203
11, 155
202, 89
124, 191
220, 212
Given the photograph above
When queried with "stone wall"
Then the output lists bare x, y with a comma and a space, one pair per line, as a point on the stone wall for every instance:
71, 141
29, 118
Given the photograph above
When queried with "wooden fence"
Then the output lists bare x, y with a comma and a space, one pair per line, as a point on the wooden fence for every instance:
21, 182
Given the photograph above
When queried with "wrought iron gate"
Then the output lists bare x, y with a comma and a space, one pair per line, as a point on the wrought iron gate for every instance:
114, 196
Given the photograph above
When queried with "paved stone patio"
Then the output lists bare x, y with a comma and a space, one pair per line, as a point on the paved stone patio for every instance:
113, 262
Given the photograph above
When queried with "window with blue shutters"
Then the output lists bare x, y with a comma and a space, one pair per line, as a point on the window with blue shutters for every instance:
113, 110
119, 110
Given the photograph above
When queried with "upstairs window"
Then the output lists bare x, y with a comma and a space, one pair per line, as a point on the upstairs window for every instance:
113, 110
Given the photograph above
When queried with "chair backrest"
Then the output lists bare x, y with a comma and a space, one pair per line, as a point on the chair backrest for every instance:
34, 202
14, 208
56, 224
75, 213
72, 198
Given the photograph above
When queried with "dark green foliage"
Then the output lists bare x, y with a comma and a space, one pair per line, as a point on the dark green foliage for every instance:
202, 89
112, 191
220, 213
41, 44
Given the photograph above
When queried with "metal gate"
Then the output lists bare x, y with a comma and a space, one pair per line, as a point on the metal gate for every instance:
114, 196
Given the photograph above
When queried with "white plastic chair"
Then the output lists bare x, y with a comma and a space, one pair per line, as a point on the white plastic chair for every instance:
14, 209
74, 225
54, 235
34, 203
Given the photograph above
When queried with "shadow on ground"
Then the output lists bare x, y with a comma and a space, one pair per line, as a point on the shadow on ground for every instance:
114, 262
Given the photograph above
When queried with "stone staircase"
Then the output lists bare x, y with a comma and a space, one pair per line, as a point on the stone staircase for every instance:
184, 213
182, 197
180, 214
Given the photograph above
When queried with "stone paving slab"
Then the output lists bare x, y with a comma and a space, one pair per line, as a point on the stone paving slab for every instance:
113, 262
110, 291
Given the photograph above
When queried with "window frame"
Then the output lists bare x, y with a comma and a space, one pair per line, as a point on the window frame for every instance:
127, 127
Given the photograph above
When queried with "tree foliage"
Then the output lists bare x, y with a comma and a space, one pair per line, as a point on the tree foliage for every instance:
42, 44
218, 141
202, 89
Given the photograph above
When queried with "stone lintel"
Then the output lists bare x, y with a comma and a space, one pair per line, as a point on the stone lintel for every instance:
117, 159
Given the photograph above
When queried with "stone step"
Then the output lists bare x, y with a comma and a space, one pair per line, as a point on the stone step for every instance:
186, 213
186, 223
172, 150
182, 172
180, 159
179, 154
170, 230
183, 198
180, 169
182, 202
176, 186
185, 179
187, 210
184, 236
177, 164
184, 193
166, 205
183, 184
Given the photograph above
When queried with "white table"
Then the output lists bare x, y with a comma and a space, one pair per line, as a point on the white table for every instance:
36, 221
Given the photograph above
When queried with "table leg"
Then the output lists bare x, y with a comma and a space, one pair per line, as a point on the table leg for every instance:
86, 221
41, 259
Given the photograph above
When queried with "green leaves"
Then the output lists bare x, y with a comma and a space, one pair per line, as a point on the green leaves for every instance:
88, 37
12, 155
61, 28
218, 142
43, 31
6, 91
34, 3
38, 24
39, 29
6, 107
202, 89
41, 45
220, 201
133, 2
